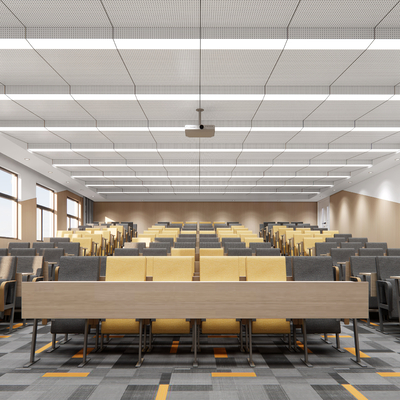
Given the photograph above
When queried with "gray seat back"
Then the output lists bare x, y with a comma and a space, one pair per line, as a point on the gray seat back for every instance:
351, 245
17, 251
18, 245
225, 240
370, 252
163, 245
324, 247
240, 252
3, 252
126, 252
393, 252
135, 245
362, 264
376, 245
155, 252
70, 248
342, 255
208, 235
345, 235
387, 267
312, 268
53, 255
168, 240
233, 245
185, 245
362, 240
209, 239
185, 239
57, 240
336, 240
30, 264
8, 268
262, 245
268, 252
103, 265
209, 245
289, 260
79, 269
39, 246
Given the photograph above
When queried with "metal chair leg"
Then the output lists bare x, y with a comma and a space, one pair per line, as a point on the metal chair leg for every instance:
250, 359
357, 360
304, 328
141, 359
337, 347
54, 345
33, 345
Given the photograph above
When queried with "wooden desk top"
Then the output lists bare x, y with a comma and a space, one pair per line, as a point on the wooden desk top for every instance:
194, 300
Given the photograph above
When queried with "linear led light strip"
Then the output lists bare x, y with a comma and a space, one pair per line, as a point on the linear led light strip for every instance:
235, 193
213, 165
275, 150
220, 185
213, 177
206, 44
205, 97
182, 128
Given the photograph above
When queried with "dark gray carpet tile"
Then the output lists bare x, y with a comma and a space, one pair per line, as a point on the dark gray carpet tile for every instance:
337, 378
332, 392
44, 329
225, 363
140, 392
275, 392
377, 346
2, 354
190, 388
376, 363
277, 361
83, 392
13, 388
165, 378
126, 361
378, 351
377, 388
364, 331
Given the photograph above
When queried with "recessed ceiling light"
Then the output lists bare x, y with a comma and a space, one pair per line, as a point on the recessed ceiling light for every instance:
350, 182
26, 159
370, 172
50, 172
396, 159
66, 181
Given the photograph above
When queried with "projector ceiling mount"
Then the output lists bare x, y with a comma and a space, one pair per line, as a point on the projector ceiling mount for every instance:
200, 131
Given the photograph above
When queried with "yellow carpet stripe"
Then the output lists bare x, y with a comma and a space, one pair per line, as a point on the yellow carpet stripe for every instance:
352, 350
233, 374
79, 354
17, 326
66, 375
301, 345
43, 348
174, 347
371, 323
220, 352
389, 374
334, 336
4, 337
162, 392
354, 392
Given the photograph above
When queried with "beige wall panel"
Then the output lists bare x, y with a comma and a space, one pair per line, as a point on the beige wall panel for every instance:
251, 214
365, 216
62, 209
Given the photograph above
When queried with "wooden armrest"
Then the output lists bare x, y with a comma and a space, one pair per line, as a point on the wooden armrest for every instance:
37, 279
102, 278
289, 278
336, 268
2, 294
56, 273
355, 278
394, 277
242, 279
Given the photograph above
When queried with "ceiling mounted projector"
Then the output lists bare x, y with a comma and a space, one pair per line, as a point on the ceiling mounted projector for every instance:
199, 131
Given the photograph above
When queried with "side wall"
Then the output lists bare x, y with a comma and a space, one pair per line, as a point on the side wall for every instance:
365, 216
250, 214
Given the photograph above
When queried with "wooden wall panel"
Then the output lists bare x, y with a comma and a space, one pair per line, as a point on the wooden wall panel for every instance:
365, 216
251, 214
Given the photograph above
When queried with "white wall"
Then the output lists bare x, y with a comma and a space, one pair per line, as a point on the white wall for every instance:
28, 178
385, 186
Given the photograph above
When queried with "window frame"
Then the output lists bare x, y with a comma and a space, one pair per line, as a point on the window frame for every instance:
44, 208
12, 198
70, 216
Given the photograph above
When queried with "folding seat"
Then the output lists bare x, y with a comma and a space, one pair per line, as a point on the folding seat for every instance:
345, 235
209, 239
362, 240
70, 248
8, 288
18, 245
309, 245
126, 252
103, 267
315, 269
163, 245
268, 269
388, 289
262, 245
216, 269
184, 235
376, 245
336, 240
155, 252
251, 239
324, 248
123, 269
57, 240
233, 223
172, 269
229, 239
168, 240
23, 252
75, 269
393, 252
106, 241
354, 245
211, 252
374, 252
298, 242
342, 255
85, 244
208, 235
234, 245
209, 245
51, 259
3, 252
185, 239
39, 246
246, 252
268, 252
185, 245
289, 269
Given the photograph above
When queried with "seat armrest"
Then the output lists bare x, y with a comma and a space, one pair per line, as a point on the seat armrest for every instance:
56, 273
4, 292
355, 279
336, 273
384, 290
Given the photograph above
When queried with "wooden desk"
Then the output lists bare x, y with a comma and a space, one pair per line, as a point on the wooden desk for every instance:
194, 300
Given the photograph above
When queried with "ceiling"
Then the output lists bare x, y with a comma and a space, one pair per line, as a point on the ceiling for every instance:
304, 95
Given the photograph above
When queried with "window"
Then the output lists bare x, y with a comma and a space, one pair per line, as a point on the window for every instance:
72, 213
8, 204
44, 212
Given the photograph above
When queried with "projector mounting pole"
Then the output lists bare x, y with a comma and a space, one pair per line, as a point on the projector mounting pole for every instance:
199, 110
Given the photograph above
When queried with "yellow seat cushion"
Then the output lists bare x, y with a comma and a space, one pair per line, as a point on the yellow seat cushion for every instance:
242, 261
252, 240
171, 326
125, 326
149, 265
211, 252
126, 269
219, 269
220, 326
188, 232
173, 268
85, 243
271, 326
310, 242
266, 269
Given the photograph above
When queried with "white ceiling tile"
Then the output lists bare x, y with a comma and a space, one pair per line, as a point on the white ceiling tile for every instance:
126, 110
285, 110
47, 109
